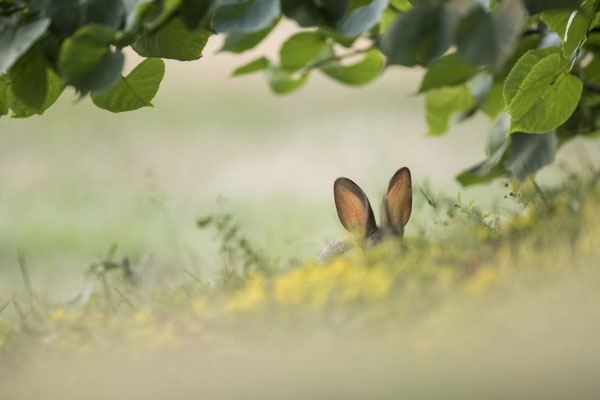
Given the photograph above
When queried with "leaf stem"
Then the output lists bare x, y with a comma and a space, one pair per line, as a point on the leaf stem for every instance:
587, 34
325, 61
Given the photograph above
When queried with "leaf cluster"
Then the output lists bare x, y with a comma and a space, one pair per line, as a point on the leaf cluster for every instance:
531, 66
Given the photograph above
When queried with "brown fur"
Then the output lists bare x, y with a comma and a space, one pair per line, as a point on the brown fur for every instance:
356, 215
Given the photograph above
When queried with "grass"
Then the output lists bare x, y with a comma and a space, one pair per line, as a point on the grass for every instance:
494, 309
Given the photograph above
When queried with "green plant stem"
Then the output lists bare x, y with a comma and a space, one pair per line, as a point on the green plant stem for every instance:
325, 61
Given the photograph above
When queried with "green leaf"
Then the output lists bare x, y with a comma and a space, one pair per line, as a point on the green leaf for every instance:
402, 5
16, 39
86, 61
526, 43
28, 77
245, 15
282, 82
539, 92
482, 172
538, 80
362, 18
577, 22
420, 35
522, 68
364, 71
54, 89
134, 91
5, 95
487, 39
498, 135
301, 49
529, 153
494, 101
441, 103
254, 66
448, 70
553, 106
174, 41
237, 42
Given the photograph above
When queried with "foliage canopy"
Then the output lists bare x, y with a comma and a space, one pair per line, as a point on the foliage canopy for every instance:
532, 66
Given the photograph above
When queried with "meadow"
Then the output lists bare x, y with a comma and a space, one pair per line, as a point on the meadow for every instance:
110, 288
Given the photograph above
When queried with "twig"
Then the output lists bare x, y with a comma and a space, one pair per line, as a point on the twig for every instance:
12, 10
6, 304
25, 274
587, 34
194, 277
536, 186
124, 298
592, 88
106, 292
429, 200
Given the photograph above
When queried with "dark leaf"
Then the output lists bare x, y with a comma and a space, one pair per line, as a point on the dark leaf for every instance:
246, 15
486, 38
237, 42
16, 38
55, 87
305, 13
448, 70
28, 77
528, 153
420, 35
363, 18
537, 6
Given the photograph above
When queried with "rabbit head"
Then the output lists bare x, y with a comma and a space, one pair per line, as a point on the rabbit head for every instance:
356, 215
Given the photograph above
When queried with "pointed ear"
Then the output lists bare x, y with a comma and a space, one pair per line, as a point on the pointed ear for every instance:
399, 199
353, 207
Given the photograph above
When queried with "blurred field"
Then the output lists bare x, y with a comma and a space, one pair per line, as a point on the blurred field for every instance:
78, 179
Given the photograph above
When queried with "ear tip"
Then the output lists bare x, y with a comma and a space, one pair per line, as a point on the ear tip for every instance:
404, 170
343, 182
340, 180
403, 174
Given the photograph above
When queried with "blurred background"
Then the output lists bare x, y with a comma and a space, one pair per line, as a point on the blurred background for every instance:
79, 179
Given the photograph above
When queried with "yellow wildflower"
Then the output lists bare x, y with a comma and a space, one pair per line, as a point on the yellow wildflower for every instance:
58, 315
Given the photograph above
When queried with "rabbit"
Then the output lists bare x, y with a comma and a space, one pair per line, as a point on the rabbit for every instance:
356, 215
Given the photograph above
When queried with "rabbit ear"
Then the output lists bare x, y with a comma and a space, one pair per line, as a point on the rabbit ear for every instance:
399, 199
353, 207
